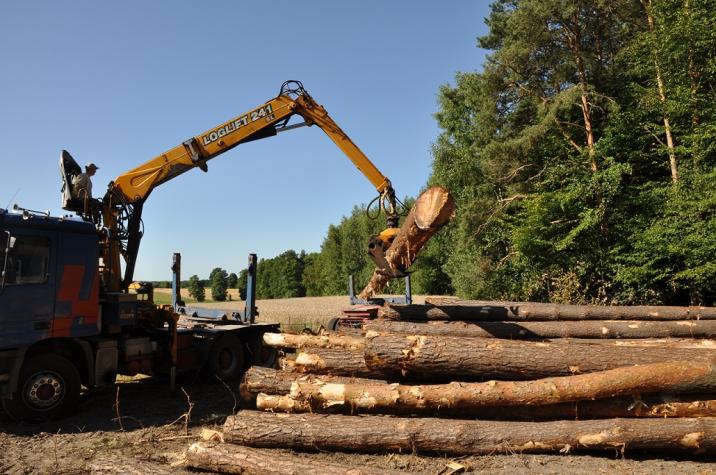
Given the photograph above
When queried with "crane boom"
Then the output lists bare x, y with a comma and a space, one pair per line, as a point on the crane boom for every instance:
261, 122
121, 208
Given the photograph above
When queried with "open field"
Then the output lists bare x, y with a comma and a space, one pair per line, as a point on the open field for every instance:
293, 314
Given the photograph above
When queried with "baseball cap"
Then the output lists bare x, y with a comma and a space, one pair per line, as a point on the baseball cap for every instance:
91, 165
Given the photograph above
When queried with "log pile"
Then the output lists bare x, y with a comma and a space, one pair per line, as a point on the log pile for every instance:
467, 378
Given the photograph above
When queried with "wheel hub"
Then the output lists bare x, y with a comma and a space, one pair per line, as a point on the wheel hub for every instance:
226, 359
44, 390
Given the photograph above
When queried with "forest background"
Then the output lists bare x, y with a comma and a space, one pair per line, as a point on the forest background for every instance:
581, 158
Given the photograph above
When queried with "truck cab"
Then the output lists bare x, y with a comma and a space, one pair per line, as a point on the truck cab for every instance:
61, 329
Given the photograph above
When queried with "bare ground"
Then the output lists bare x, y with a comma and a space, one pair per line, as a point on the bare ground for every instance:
156, 427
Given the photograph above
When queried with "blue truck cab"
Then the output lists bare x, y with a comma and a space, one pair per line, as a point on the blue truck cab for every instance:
61, 331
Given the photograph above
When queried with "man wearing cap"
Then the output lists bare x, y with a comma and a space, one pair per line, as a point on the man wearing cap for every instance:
82, 190
82, 184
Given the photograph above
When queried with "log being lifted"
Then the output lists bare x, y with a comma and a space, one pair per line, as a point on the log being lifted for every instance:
432, 210
288, 340
229, 458
380, 397
540, 330
654, 405
376, 434
478, 310
437, 358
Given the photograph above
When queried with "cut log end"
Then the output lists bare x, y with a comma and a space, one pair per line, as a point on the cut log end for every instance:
432, 210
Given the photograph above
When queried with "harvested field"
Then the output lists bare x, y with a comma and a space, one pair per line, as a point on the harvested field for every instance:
293, 314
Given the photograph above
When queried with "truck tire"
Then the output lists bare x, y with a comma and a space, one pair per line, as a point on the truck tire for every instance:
334, 324
263, 355
226, 359
48, 387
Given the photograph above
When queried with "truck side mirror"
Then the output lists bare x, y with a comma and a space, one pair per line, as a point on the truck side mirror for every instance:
9, 245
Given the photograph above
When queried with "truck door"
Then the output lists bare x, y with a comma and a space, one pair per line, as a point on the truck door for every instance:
27, 296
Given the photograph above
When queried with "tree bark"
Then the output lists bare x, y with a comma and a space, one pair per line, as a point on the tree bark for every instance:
432, 210
379, 397
126, 466
458, 437
287, 340
287, 364
271, 381
338, 363
434, 358
281, 403
607, 329
229, 458
661, 91
574, 41
660, 405
478, 310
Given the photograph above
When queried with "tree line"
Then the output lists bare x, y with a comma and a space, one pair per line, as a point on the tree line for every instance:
582, 158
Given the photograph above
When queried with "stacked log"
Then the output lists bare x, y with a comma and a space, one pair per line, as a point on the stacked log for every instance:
450, 377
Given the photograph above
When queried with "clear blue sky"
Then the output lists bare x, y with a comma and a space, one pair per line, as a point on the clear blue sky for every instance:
117, 83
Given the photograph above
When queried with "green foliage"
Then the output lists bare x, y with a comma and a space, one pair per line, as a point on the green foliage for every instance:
219, 284
241, 285
281, 276
233, 281
344, 252
196, 288
556, 155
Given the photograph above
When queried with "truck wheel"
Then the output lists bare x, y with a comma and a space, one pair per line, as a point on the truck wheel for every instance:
263, 355
48, 387
226, 358
334, 324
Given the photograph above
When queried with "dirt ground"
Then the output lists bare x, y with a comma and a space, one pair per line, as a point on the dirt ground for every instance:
155, 427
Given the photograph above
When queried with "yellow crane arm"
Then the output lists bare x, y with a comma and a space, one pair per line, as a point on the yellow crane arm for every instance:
123, 203
261, 122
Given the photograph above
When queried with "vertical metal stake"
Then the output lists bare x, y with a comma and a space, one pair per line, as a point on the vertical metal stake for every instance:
250, 308
176, 281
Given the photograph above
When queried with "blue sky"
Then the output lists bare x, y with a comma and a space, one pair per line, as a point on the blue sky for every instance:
117, 83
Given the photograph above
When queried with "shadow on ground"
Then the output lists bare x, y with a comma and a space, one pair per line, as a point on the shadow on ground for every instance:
140, 403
